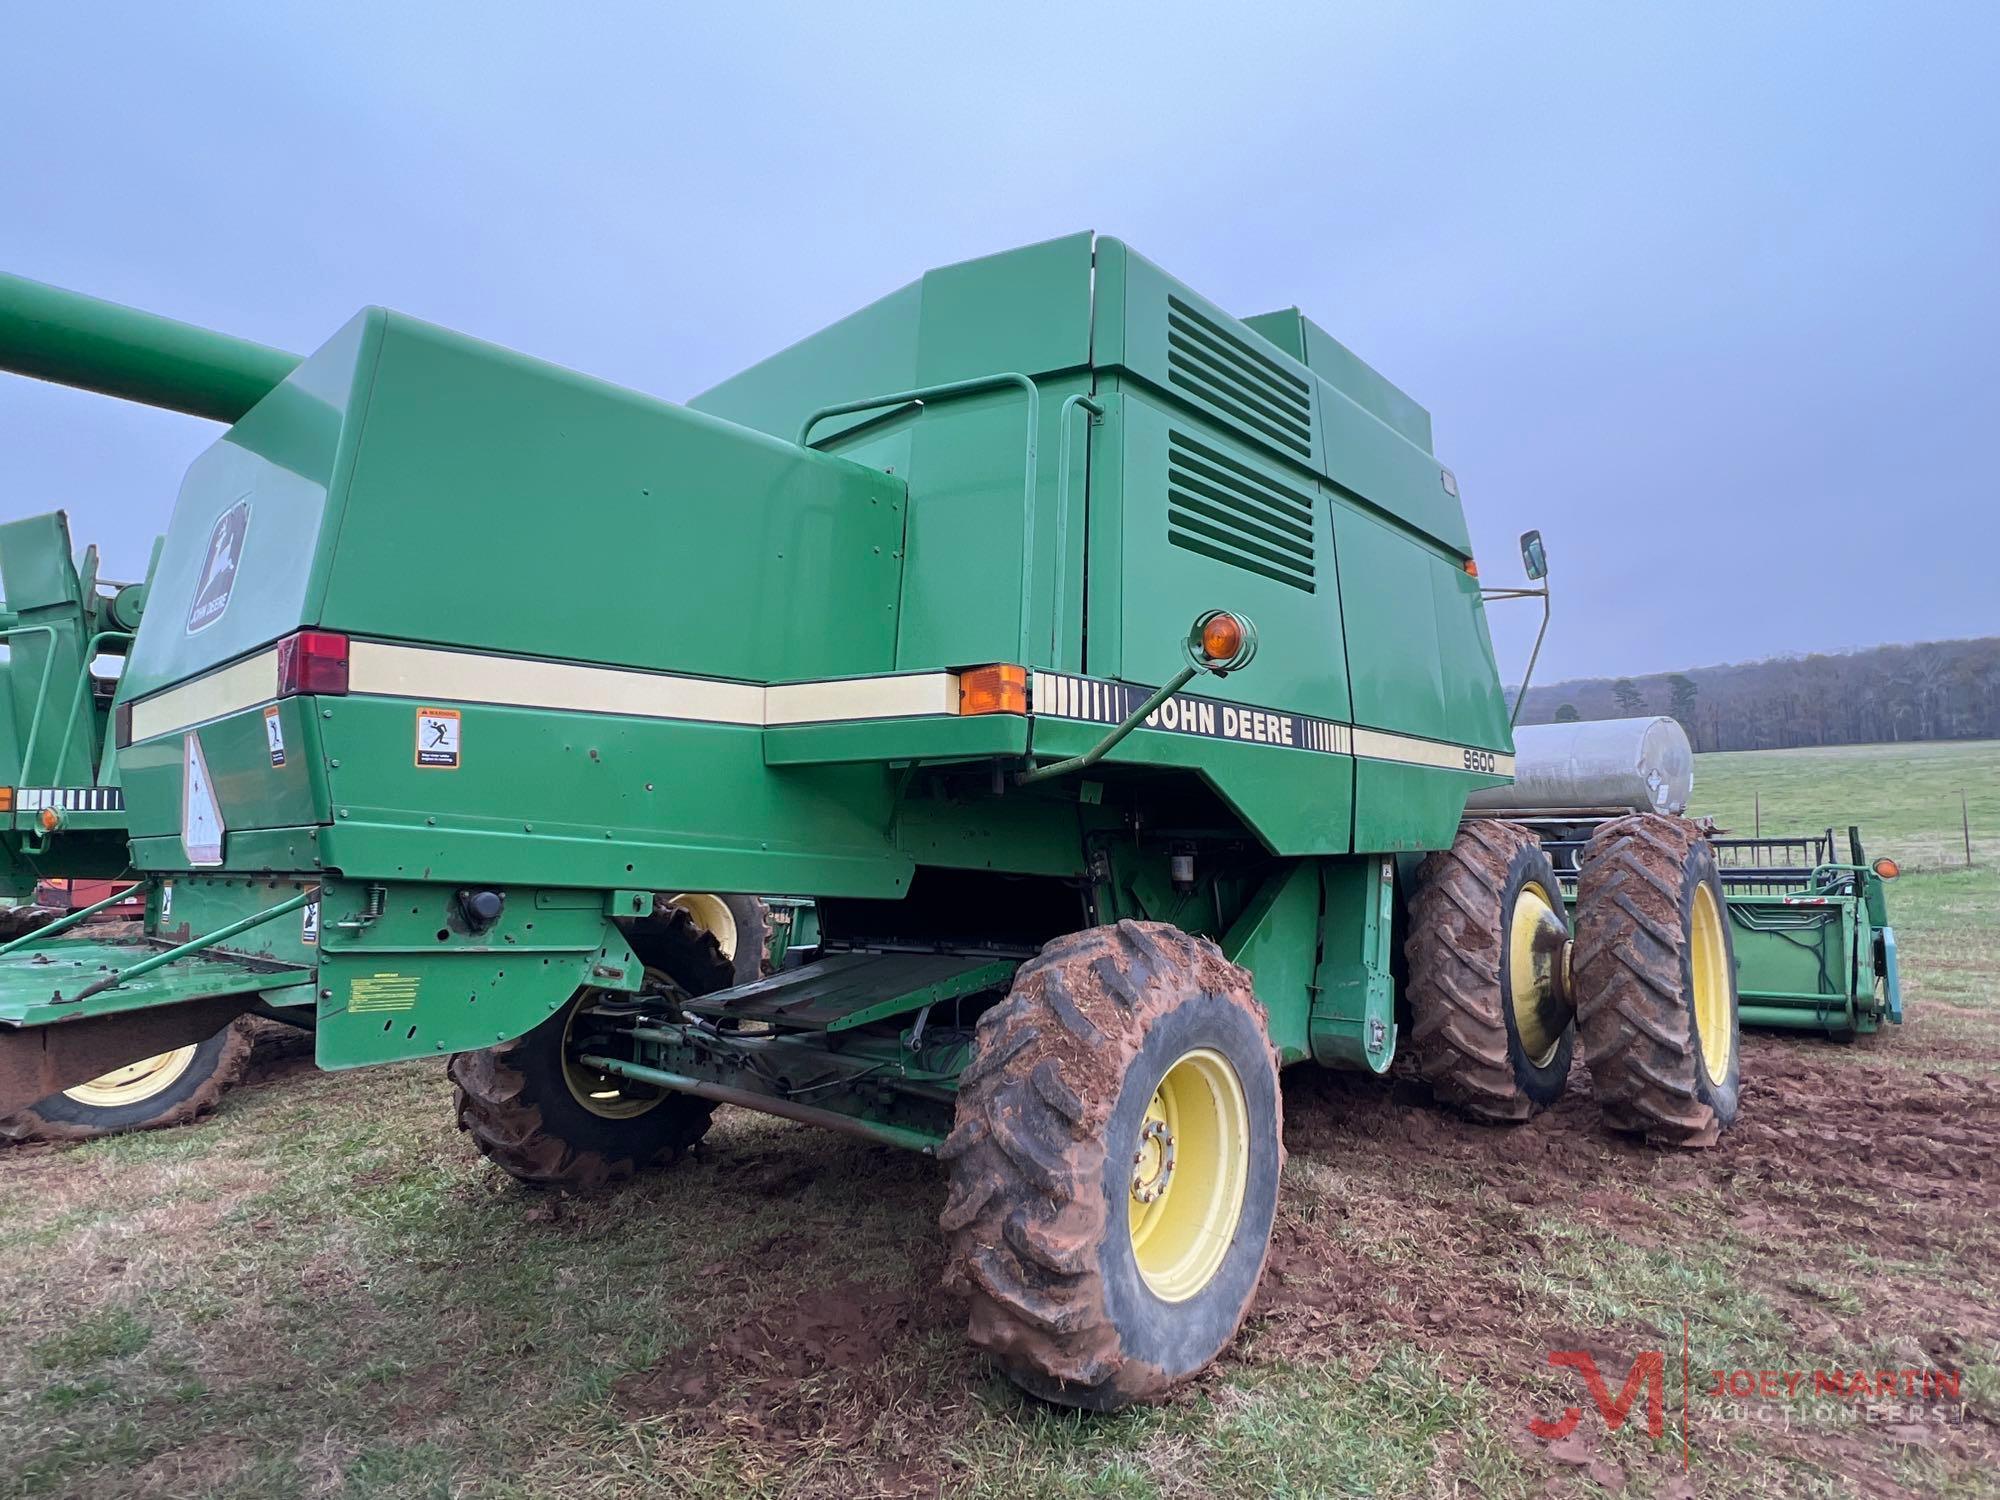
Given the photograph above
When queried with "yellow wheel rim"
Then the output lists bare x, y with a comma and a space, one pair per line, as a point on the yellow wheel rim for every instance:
1190, 1168
603, 1094
1712, 1009
134, 1082
713, 916
1535, 931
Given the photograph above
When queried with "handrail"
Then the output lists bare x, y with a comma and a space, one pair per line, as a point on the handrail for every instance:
63, 924
41, 692
1069, 407
946, 391
90, 651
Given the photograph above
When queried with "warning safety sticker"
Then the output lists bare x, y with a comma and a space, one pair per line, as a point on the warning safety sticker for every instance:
437, 738
274, 732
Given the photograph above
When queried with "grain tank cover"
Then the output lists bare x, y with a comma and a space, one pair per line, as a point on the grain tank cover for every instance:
1643, 764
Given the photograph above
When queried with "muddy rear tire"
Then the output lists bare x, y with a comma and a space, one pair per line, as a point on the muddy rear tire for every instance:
1655, 980
174, 1088
547, 1123
1487, 927
1114, 1165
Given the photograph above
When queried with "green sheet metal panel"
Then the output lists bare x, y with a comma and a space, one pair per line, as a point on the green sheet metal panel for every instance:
1354, 1000
871, 350
1187, 519
1267, 940
1322, 353
1418, 650
1295, 801
1169, 335
962, 588
552, 798
412, 982
279, 463
1371, 461
253, 790
44, 664
1025, 311
505, 504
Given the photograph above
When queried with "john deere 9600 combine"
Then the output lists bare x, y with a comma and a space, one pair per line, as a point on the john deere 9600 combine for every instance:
1113, 671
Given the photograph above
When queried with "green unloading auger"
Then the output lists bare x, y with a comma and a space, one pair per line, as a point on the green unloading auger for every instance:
100, 346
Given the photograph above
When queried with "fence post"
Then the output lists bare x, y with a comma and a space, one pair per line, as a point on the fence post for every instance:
1965, 822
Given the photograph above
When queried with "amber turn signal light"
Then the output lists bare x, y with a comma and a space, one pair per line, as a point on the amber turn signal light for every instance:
1221, 636
1887, 868
993, 690
6, 799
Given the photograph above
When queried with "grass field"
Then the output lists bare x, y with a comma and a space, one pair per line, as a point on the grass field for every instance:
324, 1291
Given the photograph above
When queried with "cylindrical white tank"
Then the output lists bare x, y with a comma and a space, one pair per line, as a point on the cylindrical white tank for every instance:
1645, 764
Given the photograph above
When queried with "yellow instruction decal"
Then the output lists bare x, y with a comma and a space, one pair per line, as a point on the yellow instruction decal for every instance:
382, 992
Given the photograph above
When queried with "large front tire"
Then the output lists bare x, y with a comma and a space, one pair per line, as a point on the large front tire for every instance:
1114, 1165
1493, 1028
1655, 979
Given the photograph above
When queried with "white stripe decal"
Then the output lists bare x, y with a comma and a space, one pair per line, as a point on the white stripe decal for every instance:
517, 682
240, 685
420, 672
919, 695
381, 669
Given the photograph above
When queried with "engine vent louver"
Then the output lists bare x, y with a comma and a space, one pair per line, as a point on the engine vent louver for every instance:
1227, 511
1213, 365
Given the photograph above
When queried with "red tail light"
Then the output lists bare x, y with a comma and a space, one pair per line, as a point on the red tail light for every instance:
313, 661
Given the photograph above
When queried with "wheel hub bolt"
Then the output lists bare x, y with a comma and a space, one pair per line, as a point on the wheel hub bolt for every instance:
1158, 1141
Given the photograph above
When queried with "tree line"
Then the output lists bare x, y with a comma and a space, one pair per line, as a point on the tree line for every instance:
1935, 690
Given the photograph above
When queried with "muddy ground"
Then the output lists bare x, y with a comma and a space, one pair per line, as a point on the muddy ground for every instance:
1845, 1164
324, 1292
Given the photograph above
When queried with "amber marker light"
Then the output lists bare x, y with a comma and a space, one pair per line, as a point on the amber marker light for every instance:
6, 799
1887, 868
993, 690
1221, 636
1471, 568
50, 819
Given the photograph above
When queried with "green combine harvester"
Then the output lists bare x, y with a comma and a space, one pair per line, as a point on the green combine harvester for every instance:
1111, 673
62, 814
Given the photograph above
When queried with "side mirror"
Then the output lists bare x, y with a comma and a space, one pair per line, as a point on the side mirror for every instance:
1534, 561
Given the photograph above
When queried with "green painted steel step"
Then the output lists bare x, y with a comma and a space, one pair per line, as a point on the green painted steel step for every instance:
846, 990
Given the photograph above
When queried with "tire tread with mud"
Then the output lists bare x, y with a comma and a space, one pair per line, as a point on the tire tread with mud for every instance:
1465, 1034
518, 1104
1042, 1180
215, 1067
1642, 879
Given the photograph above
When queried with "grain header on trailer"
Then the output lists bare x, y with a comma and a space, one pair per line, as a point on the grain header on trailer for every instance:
1110, 670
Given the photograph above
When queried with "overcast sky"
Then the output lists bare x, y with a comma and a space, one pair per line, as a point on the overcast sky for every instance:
1708, 292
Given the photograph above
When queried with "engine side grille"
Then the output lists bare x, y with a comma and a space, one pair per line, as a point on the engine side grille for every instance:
1208, 362
1225, 510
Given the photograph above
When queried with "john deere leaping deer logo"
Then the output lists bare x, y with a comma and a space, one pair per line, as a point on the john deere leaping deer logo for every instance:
218, 568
